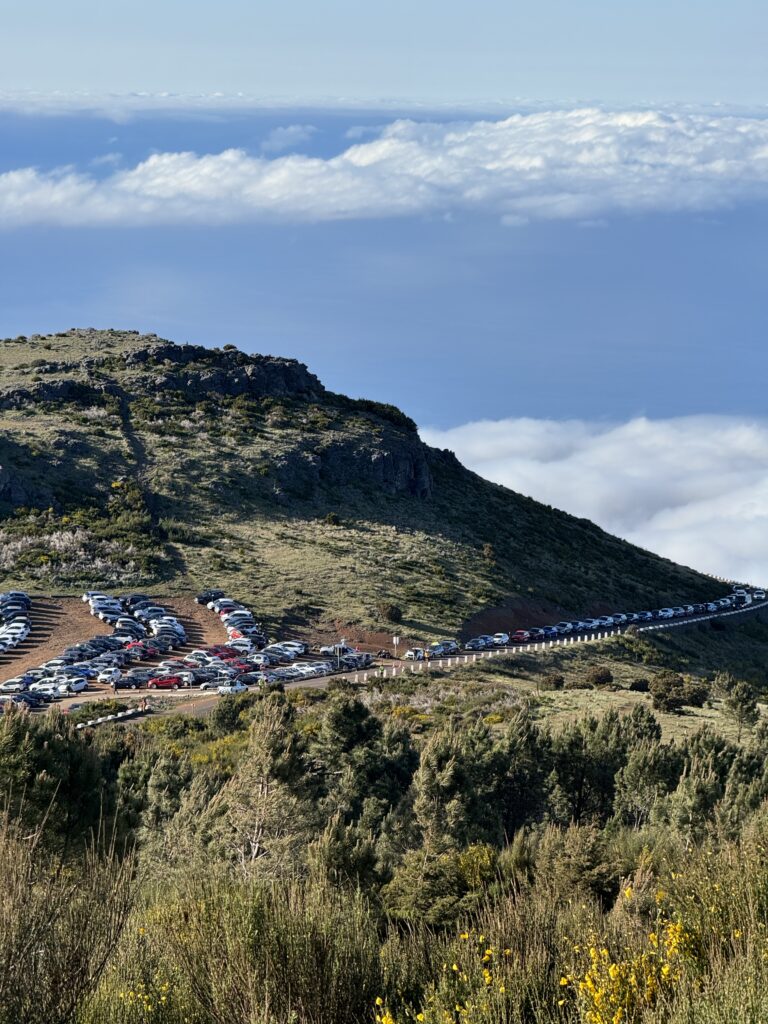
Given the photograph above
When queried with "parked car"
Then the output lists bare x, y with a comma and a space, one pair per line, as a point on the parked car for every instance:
501, 639
131, 682
166, 683
74, 685
412, 654
451, 646
476, 644
16, 685
109, 675
232, 688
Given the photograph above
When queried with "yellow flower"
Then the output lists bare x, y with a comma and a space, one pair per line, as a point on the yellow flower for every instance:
628, 893
379, 1001
563, 980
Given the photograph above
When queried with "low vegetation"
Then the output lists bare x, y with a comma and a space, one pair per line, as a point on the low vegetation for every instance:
444, 851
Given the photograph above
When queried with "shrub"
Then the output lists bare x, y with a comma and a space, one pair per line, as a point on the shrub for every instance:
599, 675
389, 612
695, 694
552, 681
640, 685
672, 693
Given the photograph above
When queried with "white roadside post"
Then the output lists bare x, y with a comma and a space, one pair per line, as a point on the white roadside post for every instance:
395, 644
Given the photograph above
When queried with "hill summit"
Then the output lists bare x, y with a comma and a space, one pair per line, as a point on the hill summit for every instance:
128, 460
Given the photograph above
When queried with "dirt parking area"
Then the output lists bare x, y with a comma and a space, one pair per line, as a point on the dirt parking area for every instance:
59, 622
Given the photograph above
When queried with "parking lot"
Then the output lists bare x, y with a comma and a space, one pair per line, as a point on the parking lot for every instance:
190, 651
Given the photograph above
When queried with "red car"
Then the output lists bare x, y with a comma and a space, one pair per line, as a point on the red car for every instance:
141, 649
521, 636
166, 683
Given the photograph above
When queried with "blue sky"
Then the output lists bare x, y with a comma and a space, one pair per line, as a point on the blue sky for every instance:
657, 50
538, 228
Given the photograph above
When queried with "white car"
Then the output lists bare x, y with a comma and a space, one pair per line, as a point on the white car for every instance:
758, 595
46, 686
243, 644
500, 639
306, 671
13, 686
109, 675
280, 651
73, 685
413, 654
236, 687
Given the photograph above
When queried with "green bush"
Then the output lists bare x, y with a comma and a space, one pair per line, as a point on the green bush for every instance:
599, 675
388, 612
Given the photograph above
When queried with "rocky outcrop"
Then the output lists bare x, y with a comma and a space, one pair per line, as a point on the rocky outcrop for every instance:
66, 390
12, 490
225, 371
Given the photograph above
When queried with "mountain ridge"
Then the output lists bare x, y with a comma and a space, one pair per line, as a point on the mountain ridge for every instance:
131, 458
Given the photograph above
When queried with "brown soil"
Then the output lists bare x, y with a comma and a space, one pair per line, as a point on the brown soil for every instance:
59, 622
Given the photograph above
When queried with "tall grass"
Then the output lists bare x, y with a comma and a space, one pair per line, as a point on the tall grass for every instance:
202, 945
216, 948
59, 925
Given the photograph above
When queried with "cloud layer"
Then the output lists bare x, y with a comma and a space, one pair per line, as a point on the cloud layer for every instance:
558, 164
694, 489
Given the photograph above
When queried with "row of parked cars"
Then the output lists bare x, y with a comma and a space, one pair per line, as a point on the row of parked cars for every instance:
136, 617
740, 597
15, 623
260, 661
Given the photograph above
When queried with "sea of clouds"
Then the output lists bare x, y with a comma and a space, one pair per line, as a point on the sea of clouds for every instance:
693, 488
581, 164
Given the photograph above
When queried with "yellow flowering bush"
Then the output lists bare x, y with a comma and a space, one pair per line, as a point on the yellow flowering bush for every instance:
617, 989
468, 988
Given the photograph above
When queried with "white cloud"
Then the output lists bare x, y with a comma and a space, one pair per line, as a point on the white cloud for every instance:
287, 137
582, 164
694, 489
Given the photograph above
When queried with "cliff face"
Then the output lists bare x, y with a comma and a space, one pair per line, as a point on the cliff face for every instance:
146, 386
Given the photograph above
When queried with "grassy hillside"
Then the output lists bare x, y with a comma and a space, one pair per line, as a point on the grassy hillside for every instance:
497, 690
127, 460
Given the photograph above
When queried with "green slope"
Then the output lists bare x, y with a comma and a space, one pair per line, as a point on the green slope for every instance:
127, 461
